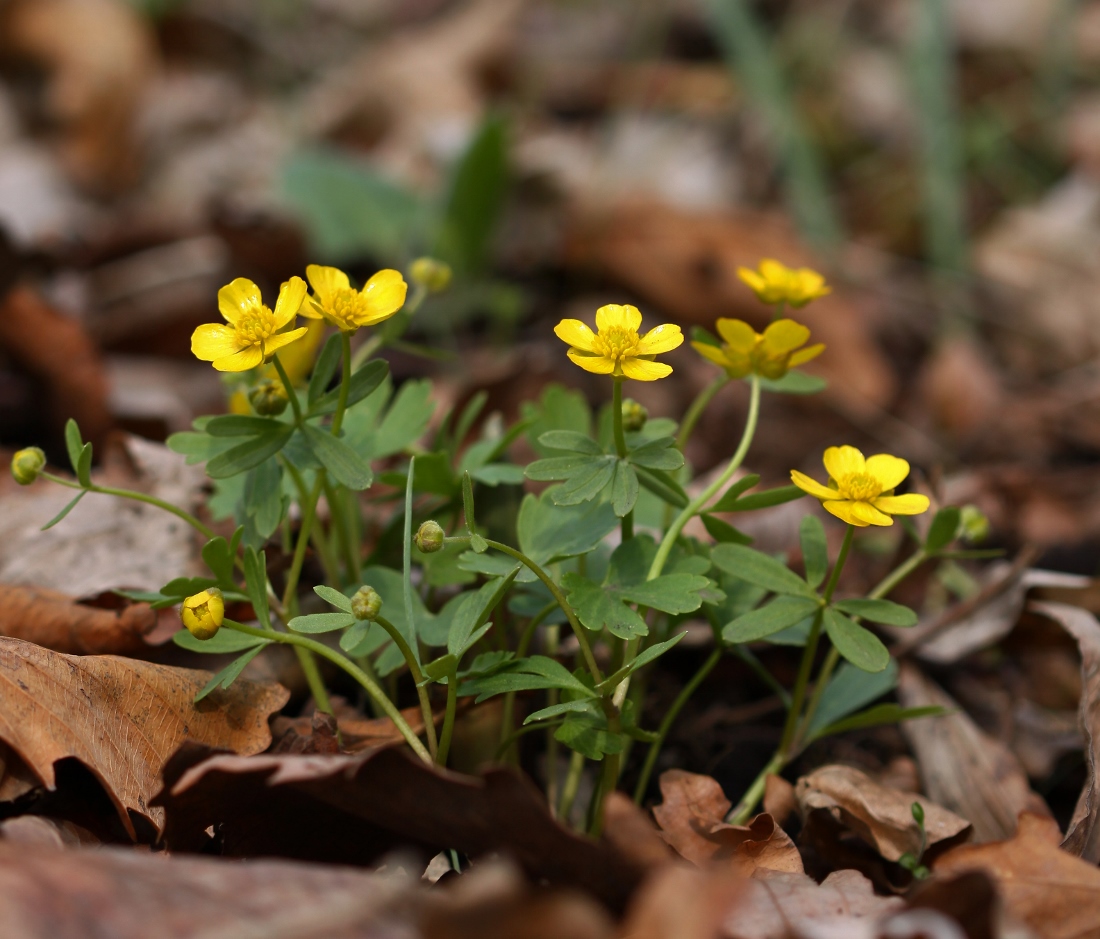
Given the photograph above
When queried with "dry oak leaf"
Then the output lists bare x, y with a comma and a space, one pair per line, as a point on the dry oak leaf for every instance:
122, 718
59, 622
692, 819
1051, 891
880, 816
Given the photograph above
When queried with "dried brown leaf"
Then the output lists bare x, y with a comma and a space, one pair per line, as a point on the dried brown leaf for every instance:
632, 833
692, 818
57, 621
963, 768
122, 718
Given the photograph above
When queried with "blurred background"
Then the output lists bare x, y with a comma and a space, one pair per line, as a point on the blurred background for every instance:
938, 160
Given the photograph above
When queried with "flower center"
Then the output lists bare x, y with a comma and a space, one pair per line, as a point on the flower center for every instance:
618, 343
861, 487
348, 307
255, 325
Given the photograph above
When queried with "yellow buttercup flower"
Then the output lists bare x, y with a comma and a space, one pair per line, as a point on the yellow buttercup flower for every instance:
770, 354
861, 491
347, 308
203, 613
617, 349
253, 334
773, 283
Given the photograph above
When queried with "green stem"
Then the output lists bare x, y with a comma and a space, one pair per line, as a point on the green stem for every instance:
288, 385
670, 717
340, 524
345, 384
571, 785
448, 719
609, 778
417, 677
620, 447
508, 711
559, 598
698, 406
313, 677
369, 685
699, 502
744, 809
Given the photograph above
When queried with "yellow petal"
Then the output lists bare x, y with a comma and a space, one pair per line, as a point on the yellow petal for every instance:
841, 461
325, 281
774, 272
843, 511
247, 358
385, 295
912, 504
291, 295
644, 370
213, 341
737, 334
599, 364
660, 339
311, 309
298, 358
784, 336
869, 514
888, 470
622, 316
577, 334
711, 353
238, 297
812, 486
804, 355
752, 280
283, 339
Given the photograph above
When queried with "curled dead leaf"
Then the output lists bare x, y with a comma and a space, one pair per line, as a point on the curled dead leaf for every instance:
58, 622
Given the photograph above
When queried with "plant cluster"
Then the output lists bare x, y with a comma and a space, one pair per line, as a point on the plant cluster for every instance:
569, 593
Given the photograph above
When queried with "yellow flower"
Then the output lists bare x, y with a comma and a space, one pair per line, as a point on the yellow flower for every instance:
618, 349
861, 491
203, 613
770, 354
773, 283
347, 308
252, 335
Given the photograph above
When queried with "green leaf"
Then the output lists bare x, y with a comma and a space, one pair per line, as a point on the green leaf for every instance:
765, 621
495, 474
942, 530
255, 578
587, 733
343, 463
879, 611
65, 511
859, 646
731, 495
669, 593
242, 425
182, 587
659, 454
248, 454
766, 499
530, 674
333, 597
321, 622
624, 488
468, 503
723, 532
229, 674
815, 549
222, 642
663, 486
571, 441
74, 443
761, 569
882, 714
548, 532
794, 383
564, 707
850, 689
199, 447
474, 612
586, 484
443, 667
364, 381
559, 408
600, 608
263, 500
215, 554
325, 368
655, 651
84, 466
560, 467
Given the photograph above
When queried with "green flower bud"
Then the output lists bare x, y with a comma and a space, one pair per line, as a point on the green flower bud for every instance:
203, 613
268, 398
429, 537
634, 415
973, 525
27, 464
366, 604
430, 274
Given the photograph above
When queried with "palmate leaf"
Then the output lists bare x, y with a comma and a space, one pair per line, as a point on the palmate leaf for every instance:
530, 674
248, 454
760, 569
815, 551
659, 454
772, 618
859, 646
343, 463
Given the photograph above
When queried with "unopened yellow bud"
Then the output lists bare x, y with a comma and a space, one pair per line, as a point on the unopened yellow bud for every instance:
429, 537
268, 398
634, 415
430, 274
27, 464
366, 603
203, 613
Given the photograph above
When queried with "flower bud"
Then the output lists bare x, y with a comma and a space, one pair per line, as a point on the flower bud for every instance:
366, 603
203, 613
634, 415
268, 398
430, 274
429, 537
973, 525
27, 464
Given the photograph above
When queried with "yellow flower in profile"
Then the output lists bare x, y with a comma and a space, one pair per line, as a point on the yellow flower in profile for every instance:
617, 349
861, 491
347, 308
203, 613
774, 283
253, 334
770, 354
